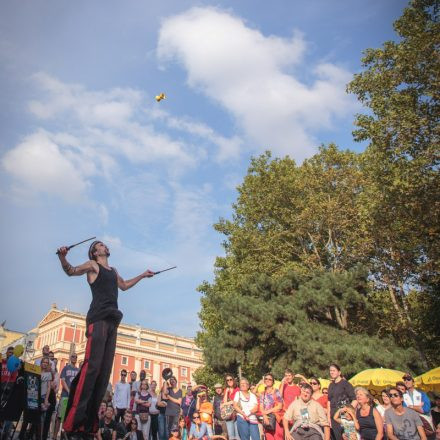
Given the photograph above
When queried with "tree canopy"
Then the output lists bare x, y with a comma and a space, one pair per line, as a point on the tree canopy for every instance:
337, 259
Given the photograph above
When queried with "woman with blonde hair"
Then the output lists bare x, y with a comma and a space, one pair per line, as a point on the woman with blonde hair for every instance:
368, 420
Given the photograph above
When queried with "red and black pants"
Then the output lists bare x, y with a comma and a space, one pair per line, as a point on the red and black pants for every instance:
90, 384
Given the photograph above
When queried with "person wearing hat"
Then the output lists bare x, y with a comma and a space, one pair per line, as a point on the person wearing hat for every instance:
103, 318
415, 399
219, 424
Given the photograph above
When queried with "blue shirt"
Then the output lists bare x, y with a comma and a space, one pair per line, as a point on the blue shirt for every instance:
203, 430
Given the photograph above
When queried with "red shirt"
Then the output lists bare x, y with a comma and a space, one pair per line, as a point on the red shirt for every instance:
6, 375
290, 393
323, 401
231, 394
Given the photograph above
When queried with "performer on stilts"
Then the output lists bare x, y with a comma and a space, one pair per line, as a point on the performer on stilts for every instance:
88, 388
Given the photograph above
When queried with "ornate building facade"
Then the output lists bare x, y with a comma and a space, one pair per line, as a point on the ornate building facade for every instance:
136, 348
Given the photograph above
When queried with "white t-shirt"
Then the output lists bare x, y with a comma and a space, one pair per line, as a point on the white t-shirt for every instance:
247, 404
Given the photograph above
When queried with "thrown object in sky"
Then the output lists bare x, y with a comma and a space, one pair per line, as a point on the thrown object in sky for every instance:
160, 97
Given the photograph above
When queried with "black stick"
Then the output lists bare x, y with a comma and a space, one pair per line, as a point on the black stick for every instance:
164, 270
76, 244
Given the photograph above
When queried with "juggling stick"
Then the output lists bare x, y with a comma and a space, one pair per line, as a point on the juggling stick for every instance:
164, 270
76, 244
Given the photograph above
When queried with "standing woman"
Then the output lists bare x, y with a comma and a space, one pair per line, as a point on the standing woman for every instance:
246, 405
370, 425
231, 389
142, 399
271, 402
340, 393
317, 395
162, 403
46, 390
154, 411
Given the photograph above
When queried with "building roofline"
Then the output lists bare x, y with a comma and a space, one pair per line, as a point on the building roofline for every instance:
66, 311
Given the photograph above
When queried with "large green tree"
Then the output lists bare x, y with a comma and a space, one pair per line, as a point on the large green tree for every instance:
400, 86
302, 238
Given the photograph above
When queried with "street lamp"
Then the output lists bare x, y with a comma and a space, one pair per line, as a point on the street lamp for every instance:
72, 344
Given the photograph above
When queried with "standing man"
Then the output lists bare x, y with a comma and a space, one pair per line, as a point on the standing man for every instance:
103, 318
68, 373
7, 382
288, 389
174, 396
121, 396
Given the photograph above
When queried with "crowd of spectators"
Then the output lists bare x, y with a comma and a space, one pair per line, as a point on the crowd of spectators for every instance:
296, 408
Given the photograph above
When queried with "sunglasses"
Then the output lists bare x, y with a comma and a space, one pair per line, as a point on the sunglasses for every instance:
196, 417
393, 395
407, 379
123, 375
314, 383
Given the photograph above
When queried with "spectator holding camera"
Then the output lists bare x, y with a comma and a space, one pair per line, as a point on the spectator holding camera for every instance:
340, 394
308, 417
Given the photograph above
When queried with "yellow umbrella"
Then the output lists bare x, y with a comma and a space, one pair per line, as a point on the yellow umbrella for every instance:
429, 381
375, 379
276, 385
324, 383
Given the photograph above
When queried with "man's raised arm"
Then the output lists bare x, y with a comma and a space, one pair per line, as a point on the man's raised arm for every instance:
124, 285
74, 270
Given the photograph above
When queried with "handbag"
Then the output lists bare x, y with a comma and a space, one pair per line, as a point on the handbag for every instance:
227, 412
272, 423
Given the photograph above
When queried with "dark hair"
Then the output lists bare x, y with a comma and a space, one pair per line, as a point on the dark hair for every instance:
123, 371
400, 384
288, 370
335, 366
395, 389
233, 378
132, 371
269, 374
92, 249
128, 411
307, 386
10, 348
316, 379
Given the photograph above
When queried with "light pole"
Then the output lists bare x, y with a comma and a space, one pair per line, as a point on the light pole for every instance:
72, 344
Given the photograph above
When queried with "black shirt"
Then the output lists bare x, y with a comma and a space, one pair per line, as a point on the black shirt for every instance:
218, 400
104, 305
106, 430
340, 392
122, 429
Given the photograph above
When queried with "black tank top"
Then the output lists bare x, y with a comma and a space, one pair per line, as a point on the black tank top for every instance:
367, 425
104, 305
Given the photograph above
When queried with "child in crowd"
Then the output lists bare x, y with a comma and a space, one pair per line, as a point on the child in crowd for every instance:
345, 416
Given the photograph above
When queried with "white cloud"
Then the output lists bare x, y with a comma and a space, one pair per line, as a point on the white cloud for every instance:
227, 147
40, 163
246, 73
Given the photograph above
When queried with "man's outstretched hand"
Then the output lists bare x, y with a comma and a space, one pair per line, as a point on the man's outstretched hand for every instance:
148, 274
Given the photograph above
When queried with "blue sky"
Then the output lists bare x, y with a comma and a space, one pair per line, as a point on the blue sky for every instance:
86, 150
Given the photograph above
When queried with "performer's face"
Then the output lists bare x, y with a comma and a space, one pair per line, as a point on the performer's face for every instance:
101, 250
